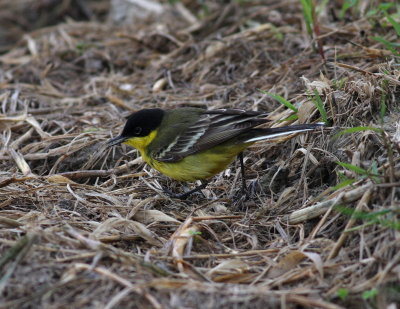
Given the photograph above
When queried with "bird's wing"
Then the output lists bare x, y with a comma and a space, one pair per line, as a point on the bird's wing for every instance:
211, 128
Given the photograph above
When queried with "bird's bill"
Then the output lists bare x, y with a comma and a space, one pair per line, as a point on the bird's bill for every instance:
116, 141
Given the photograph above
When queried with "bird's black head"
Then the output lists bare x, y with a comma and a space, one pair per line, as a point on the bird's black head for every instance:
139, 124
142, 122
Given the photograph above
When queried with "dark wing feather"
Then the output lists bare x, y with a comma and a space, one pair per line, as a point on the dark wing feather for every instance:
211, 128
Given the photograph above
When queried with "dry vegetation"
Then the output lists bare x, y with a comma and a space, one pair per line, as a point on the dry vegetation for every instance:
87, 227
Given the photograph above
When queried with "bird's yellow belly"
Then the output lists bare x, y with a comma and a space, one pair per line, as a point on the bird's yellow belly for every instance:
198, 166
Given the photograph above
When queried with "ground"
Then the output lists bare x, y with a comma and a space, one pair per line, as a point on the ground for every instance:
86, 226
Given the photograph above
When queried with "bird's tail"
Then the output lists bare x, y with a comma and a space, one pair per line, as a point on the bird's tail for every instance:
260, 134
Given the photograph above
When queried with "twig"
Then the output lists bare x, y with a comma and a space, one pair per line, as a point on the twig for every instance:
114, 277
320, 208
313, 303
10, 222
364, 200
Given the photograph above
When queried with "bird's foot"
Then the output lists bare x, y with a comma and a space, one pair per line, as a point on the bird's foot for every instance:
185, 195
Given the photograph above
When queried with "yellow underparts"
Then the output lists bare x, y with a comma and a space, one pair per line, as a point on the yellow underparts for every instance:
199, 166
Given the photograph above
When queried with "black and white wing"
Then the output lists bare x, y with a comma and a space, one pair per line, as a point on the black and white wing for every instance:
210, 129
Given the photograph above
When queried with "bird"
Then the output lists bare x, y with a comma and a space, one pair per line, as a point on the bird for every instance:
190, 143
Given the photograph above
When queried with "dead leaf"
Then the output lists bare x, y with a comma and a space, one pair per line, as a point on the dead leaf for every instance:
288, 262
235, 278
59, 179
20, 161
112, 225
9, 121
152, 215
229, 266
317, 260
294, 258
305, 112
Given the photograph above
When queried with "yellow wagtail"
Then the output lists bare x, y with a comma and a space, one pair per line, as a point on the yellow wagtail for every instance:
189, 144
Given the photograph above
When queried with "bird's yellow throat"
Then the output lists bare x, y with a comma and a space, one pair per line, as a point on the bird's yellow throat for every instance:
141, 143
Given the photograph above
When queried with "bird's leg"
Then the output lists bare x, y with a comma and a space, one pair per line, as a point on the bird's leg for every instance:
244, 188
184, 195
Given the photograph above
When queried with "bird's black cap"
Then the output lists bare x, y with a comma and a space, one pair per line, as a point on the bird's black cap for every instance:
139, 124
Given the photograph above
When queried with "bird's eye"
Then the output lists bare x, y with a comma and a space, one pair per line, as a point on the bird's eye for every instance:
137, 130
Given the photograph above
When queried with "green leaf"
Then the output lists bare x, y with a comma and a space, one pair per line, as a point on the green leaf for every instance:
354, 168
373, 215
290, 118
389, 45
320, 106
393, 224
374, 168
369, 294
385, 6
377, 218
345, 210
194, 232
342, 293
347, 4
342, 176
281, 100
394, 23
372, 12
361, 215
343, 184
278, 34
357, 129
307, 13
338, 84
383, 109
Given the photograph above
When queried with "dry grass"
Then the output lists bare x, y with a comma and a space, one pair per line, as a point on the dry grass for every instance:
87, 227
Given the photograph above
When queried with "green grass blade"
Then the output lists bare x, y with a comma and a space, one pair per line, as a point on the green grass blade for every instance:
389, 45
383, 107
354, 168
369, 294
357, 129
347, 4
343, 184
281, 100
307, 12
290, 118
320, 106
385, 6
342, 293
394, 23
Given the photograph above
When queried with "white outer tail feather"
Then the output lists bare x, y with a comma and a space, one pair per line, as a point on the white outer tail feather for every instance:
271, 136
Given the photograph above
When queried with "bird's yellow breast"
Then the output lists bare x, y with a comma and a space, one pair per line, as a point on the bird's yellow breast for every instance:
198, 166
